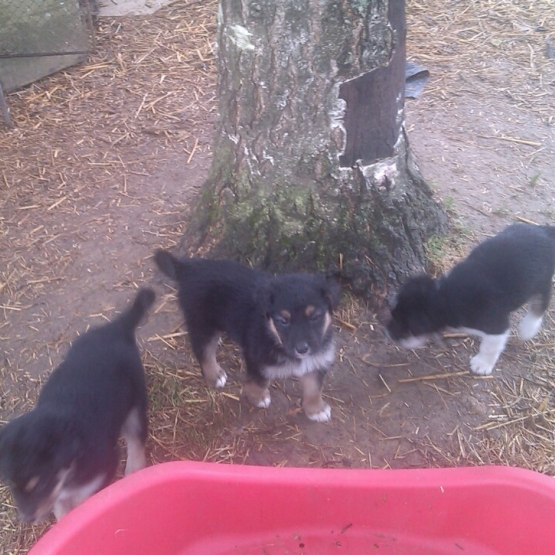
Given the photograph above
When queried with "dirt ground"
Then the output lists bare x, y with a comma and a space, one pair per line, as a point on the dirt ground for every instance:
103, 160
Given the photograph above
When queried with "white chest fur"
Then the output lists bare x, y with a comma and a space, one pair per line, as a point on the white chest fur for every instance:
300, 367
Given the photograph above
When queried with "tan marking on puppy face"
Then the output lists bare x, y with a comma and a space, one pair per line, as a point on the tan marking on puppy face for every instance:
274, 331
286, 314
309, 311
31, 484
327, 323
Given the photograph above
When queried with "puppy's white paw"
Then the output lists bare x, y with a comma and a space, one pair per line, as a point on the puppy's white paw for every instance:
213, 373
481, 366
529, 326
221, 380
264, 403
257, 396
413, 342
322, 416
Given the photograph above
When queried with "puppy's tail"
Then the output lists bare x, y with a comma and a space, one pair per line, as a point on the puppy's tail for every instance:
168, 263
131, 318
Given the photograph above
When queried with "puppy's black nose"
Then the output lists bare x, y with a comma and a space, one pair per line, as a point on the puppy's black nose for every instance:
302, 348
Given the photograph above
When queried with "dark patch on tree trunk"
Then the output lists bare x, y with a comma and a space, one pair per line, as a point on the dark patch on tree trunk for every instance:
375, 100
277, 196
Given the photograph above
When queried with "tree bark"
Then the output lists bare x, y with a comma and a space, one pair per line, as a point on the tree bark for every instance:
311, 167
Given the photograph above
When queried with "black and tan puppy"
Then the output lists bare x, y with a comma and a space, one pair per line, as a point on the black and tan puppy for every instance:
282, 324
65, 449
478, 295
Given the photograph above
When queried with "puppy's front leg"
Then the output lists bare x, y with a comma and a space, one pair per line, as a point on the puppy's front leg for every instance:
70, 498
490, 348
61, 508
313, 405
257, 392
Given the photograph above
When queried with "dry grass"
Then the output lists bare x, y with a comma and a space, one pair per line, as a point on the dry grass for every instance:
147, 90
135, 83
523, 408
148, 87
496, 47
480, 46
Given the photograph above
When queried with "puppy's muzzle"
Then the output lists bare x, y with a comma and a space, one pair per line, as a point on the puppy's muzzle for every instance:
302, 349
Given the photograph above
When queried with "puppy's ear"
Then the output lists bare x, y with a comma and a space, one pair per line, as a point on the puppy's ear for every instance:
331, 292
417, 289
424, 283
167, 263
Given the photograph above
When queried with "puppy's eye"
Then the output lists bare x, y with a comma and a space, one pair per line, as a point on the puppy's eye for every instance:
312, 313
315, 316
281, 320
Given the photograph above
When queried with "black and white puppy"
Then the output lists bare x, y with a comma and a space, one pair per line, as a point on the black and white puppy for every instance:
65, 449
477, 296
282, 324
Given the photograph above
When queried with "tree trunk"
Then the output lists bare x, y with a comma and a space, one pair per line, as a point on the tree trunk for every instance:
311, 168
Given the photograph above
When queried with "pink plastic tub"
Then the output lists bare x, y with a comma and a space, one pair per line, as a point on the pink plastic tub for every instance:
209, 509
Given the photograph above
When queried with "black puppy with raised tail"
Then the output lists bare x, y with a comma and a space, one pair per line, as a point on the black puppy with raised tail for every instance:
282, 324
478, 295
65, 449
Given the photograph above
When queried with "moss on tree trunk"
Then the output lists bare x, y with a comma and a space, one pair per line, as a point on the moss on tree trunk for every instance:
311, 168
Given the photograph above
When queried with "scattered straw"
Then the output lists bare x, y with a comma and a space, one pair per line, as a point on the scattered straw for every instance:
150, 87
502, 43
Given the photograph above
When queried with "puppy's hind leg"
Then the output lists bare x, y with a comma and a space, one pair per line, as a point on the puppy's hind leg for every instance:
205, 351
313, 405
134, 432
491, 348
531, 324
